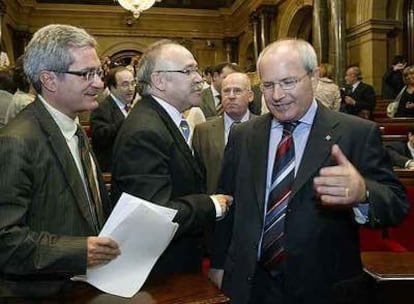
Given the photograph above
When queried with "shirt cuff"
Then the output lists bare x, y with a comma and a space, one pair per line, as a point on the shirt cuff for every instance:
219, 211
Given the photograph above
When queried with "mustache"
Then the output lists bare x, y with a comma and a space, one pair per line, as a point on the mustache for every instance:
197, 87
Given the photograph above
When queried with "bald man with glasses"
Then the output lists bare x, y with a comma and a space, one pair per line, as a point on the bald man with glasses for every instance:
153, 158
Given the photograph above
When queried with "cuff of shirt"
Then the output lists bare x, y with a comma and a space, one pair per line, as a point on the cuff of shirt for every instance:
219, 211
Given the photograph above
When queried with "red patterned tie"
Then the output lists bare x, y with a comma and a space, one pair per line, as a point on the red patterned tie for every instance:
281, 188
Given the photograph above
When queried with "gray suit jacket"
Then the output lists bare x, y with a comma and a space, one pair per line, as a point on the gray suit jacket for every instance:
208, 145
44, 215
207, 104
321, 243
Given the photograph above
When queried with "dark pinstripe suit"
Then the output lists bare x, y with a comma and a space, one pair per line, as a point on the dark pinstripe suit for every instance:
44, 214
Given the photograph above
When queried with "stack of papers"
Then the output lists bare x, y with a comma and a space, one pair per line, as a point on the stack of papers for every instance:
143, 231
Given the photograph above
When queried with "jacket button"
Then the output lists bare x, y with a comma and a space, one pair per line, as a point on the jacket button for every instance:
249, 278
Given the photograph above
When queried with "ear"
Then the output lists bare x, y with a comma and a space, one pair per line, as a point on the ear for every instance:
49, 81
315, 77
251, 96
158, 81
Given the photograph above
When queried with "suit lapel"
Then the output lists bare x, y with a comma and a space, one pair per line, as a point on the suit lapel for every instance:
176, 135
318, 148
258, 144
62, 153
116, 111
218, 135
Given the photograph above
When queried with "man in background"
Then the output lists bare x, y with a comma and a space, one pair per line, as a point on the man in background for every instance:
53, 201
358, 97
210, 138
393, 79
211, 99
152, 156
402, 152
106, 120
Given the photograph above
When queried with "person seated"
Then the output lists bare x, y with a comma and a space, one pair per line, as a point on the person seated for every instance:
406, 96
402, 152
393, 79
357, 95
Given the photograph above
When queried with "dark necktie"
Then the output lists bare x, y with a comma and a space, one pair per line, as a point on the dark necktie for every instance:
282, 179
219, 107
95, 205
127, 108
185, 128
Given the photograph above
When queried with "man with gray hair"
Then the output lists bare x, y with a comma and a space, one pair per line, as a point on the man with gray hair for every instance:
152, 157
303, 178
53, 201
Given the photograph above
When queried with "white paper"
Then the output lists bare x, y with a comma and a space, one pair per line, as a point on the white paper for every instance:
142, 230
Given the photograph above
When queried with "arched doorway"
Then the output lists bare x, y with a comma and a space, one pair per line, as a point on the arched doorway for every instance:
301, 25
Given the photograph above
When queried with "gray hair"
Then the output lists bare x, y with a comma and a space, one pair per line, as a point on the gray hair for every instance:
147, 63
50, 50
305, 50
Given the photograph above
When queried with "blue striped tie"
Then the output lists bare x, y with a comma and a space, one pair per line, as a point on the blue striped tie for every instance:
282, 179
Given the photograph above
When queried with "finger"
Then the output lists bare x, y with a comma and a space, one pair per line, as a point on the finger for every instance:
339, 156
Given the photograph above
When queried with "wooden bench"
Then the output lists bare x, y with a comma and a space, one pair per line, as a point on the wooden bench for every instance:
395, 126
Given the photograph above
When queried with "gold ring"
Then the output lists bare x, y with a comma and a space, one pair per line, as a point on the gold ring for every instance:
346, 192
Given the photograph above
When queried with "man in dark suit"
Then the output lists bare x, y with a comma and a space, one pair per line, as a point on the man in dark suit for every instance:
358, 97
210, 97
49, 215
152, 156
402, 152
108, 117
210, 137
340, 178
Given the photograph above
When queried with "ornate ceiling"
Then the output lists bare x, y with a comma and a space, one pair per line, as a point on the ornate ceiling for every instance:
195, 4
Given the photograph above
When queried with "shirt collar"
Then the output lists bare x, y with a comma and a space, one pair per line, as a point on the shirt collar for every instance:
228, 121
67, 125
118, 102
175, 115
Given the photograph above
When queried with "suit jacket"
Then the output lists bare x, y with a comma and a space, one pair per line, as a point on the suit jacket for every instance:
105, 122
322, 244
44, 217
208, 145
399, 153
364, 95
153, 161
208, 104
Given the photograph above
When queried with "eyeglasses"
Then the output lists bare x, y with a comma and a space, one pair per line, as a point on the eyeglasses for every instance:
127, 85
285, 84
186, 71
87, 75
236, 91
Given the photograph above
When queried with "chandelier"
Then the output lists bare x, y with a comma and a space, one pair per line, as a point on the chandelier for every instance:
137, 6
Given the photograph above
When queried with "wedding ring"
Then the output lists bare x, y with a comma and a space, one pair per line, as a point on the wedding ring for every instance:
347, 192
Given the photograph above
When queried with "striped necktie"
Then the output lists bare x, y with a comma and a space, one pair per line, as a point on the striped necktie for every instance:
282, 179
219, 107
95, 204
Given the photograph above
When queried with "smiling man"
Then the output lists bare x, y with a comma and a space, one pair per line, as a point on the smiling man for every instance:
303, 179
53, 201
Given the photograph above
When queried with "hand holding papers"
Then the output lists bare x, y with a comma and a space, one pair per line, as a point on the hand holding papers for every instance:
142, 230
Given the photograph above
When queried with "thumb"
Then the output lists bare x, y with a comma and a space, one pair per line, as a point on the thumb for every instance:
339, 156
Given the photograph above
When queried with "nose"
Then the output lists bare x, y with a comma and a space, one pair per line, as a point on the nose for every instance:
278, 92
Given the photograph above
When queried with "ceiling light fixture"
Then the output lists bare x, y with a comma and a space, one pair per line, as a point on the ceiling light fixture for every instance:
137, 6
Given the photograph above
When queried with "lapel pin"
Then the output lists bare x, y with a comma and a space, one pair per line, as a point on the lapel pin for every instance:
328, 137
